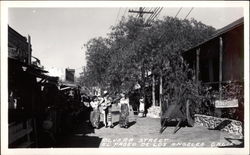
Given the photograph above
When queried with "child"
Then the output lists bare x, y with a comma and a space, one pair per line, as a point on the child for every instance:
141, 108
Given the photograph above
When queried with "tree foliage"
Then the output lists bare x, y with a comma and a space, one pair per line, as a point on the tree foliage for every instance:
98, 60
118, 61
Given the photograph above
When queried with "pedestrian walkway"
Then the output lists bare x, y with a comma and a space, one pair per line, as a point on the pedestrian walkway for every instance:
144, 132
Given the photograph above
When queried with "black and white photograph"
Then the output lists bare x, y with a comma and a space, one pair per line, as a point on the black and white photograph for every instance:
165, 75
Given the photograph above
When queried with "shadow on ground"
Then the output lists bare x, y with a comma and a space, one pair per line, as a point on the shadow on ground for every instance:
78, 138
80, 141
115, 123
129, 124
240, 143
173, 122
222, 125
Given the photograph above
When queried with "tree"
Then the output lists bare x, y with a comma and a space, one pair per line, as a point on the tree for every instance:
176, 76
131, 50
98, 58
166, 40
124, 71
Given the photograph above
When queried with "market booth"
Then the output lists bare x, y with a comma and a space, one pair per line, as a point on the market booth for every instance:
30, 94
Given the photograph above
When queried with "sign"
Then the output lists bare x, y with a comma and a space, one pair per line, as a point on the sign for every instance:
226, 103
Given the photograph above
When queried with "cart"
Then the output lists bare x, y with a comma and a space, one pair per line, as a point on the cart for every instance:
181, 111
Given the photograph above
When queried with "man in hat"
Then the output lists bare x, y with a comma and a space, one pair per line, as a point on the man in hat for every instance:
107, 110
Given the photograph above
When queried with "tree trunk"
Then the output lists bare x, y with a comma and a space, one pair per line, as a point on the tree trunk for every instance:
220, 66
153, 91
160, 90
197, 65
143, 82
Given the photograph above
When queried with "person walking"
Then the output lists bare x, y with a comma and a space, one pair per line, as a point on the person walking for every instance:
124, 103
95, 114
103, 108
106, 104
109, 112
141, 108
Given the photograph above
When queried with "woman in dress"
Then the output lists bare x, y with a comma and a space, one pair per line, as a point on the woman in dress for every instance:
124, 103
141, 107
95, 114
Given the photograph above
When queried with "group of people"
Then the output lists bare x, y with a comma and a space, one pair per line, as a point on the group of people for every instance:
103, 105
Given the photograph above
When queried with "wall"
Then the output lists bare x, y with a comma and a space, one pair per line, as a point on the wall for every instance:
222, 124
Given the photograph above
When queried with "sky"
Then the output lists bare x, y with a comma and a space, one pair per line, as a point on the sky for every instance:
58, 35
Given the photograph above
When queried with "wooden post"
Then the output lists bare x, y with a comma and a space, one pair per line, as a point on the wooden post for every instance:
220, 65
29, 50
197, 64
153, 90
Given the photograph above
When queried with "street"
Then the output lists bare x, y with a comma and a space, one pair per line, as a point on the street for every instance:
144, 132
160, 76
